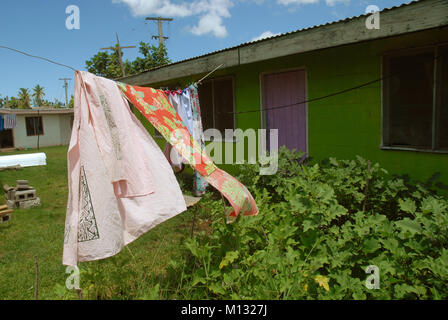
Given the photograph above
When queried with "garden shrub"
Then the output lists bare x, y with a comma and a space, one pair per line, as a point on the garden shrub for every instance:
320, 225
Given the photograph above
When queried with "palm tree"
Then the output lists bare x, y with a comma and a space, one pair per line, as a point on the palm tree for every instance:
38, 95
24, 98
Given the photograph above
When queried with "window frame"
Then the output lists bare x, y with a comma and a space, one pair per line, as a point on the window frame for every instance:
224, 138
41, 122
436, 103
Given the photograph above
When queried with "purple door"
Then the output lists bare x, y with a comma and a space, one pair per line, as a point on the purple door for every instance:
287, 88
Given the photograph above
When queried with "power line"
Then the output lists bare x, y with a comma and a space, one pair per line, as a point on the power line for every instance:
257, 110
314, 99
38, 57
332, 94
159, 23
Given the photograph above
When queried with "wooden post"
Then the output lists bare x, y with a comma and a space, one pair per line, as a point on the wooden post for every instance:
38, 132
118, 48
36, 279
160, 36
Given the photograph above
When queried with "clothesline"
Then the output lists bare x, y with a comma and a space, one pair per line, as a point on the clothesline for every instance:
67, 66
265, 109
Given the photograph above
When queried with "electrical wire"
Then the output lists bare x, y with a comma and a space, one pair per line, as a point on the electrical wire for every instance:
331, 94
257, 110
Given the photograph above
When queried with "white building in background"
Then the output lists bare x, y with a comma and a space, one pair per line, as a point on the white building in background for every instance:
44, 126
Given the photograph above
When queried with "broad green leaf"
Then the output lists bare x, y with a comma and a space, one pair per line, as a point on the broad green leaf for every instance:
407, 205
409, 225
229, 258
216, 288
371, 245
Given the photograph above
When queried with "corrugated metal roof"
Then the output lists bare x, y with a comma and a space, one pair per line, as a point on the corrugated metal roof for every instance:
41, 110
275, 37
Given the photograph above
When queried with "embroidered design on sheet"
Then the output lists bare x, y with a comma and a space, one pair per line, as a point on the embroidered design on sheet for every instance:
112, 126
88, 229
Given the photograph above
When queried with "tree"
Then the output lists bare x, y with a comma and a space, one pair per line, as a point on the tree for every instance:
24, 99
152, 57
38, 95
56, 103
71, 103
107, 65
13, 103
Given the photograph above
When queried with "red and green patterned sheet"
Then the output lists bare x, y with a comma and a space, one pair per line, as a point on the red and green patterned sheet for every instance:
154, 105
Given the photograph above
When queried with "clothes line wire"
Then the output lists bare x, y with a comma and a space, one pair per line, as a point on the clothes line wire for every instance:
37, 57
208, 74
256, 110
332, 94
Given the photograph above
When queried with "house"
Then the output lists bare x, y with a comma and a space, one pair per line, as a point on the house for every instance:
43, 127
378, 93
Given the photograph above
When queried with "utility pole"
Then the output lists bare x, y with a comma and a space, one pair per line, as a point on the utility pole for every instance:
65, 86
118, 49
160, 36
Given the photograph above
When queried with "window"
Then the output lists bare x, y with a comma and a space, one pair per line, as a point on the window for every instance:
34, 126
216, 98
415, 93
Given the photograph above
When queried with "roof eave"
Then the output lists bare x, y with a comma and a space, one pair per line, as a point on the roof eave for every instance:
408, 18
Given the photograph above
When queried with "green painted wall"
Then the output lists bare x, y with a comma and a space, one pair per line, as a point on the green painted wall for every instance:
346, 125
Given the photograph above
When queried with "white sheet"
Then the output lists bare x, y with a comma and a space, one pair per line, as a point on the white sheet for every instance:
24, 160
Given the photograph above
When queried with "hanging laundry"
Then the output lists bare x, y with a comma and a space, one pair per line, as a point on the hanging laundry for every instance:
154, 105
174, 158
185, 110
199, 183
120, 184
1, 122
9, 121
186, 104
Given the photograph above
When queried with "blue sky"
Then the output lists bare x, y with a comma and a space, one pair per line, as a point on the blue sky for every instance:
200, 26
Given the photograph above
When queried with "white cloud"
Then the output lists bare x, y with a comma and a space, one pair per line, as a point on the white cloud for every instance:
210, 12
210, 23
331, 3
158, 7
287, 2
328, 2
266, 34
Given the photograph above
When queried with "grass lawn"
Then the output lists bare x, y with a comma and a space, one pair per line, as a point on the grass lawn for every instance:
40, 232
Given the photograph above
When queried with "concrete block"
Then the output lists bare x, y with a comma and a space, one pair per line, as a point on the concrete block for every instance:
29, 203
10, 195
5, 218
25, 195
11, 204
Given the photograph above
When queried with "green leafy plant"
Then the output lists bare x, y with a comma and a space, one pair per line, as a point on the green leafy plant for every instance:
320, 225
